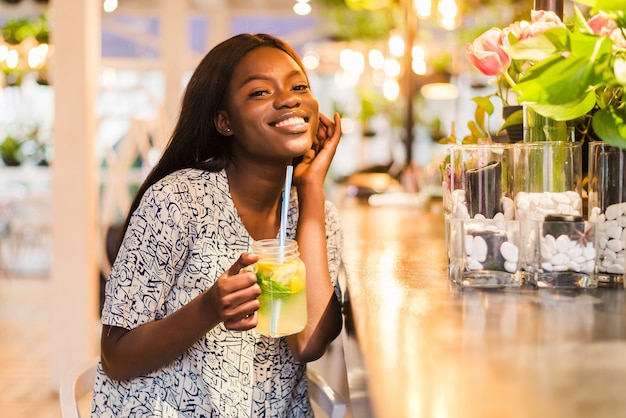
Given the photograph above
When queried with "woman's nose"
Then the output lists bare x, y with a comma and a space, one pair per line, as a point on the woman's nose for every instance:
287, 99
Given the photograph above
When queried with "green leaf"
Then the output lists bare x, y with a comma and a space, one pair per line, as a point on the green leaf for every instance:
277, 290
609, 5
588, 45
580, 21
484, 107
566, 111
484, 103
536, 48
475, 130
557, 81
610, 125
515, 118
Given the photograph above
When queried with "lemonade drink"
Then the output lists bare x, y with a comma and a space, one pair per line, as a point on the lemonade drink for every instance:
282, 278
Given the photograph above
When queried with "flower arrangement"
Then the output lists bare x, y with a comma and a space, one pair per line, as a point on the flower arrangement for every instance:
573, 72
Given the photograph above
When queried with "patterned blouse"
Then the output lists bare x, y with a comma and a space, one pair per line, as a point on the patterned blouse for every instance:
184, 234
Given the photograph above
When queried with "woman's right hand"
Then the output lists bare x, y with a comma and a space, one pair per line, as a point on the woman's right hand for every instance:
128, 353
233, 297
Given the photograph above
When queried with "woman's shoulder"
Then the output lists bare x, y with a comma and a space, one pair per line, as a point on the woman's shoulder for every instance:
190, 185
192, 180
193, 176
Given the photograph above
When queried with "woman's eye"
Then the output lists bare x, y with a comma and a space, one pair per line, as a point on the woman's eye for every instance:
259, 93
301, 87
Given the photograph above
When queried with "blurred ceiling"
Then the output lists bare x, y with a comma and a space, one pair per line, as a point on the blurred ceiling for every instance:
244, 7
230, 6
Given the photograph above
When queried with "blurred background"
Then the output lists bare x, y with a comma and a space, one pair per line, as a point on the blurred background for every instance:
89, 93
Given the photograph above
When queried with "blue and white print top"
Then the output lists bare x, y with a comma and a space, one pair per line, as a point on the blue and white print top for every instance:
184, 234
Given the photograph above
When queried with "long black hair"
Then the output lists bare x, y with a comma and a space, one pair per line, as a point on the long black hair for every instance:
195, 141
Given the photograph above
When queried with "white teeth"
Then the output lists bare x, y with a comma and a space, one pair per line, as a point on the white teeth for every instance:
290, 121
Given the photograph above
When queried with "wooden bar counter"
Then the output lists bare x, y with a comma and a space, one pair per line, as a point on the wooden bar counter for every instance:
433, 350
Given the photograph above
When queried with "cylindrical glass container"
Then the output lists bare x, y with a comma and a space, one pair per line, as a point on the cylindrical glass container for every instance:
479, 183
538, 128
547, 178
607, 207
281, 274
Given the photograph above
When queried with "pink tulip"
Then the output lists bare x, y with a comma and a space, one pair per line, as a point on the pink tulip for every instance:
602, 26
486, 53
541, 21
545, 16
515, 28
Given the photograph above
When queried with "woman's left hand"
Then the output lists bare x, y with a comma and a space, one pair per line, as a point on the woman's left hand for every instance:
316, 161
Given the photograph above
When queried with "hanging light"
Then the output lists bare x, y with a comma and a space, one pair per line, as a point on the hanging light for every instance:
396, 44
448, 16
311, 60
12, 59
423, 8
376, 58
392, 67
418, 63
109, 5
391, 89
352, 61
302, 7
440, 91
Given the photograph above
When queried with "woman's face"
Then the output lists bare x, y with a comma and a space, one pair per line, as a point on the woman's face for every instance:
271, 112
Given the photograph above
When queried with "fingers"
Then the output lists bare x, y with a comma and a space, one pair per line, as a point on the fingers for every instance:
244, 260
244, 323
329, 128
235, 295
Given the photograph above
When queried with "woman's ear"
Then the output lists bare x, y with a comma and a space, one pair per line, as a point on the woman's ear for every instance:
222, 124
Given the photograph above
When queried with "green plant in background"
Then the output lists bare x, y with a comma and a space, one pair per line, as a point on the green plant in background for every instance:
22, 35
359, 20
41, 28
16, 30
10, 149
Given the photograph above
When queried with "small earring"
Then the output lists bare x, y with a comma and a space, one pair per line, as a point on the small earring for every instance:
227, 129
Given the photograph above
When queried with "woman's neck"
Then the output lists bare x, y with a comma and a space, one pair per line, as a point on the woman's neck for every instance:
257, 198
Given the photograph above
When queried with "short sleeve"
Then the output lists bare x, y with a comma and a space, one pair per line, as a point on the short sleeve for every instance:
151, 256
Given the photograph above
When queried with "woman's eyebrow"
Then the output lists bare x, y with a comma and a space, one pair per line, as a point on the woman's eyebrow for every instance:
254, 77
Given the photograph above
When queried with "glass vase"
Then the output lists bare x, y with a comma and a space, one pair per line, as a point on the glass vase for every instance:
546, 178
479, 182
538, 128
607, 207
486, 253
567, 253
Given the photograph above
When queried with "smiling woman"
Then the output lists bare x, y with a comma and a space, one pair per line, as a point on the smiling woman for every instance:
181, 307
270, 104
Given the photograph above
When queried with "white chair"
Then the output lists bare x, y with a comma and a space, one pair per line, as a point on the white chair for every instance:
75, 385
323, 395
78, 382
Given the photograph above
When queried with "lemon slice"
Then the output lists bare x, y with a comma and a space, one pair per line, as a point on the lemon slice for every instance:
283, 274
296, 284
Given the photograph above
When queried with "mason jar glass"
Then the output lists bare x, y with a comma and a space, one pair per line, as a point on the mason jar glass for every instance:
281, 274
